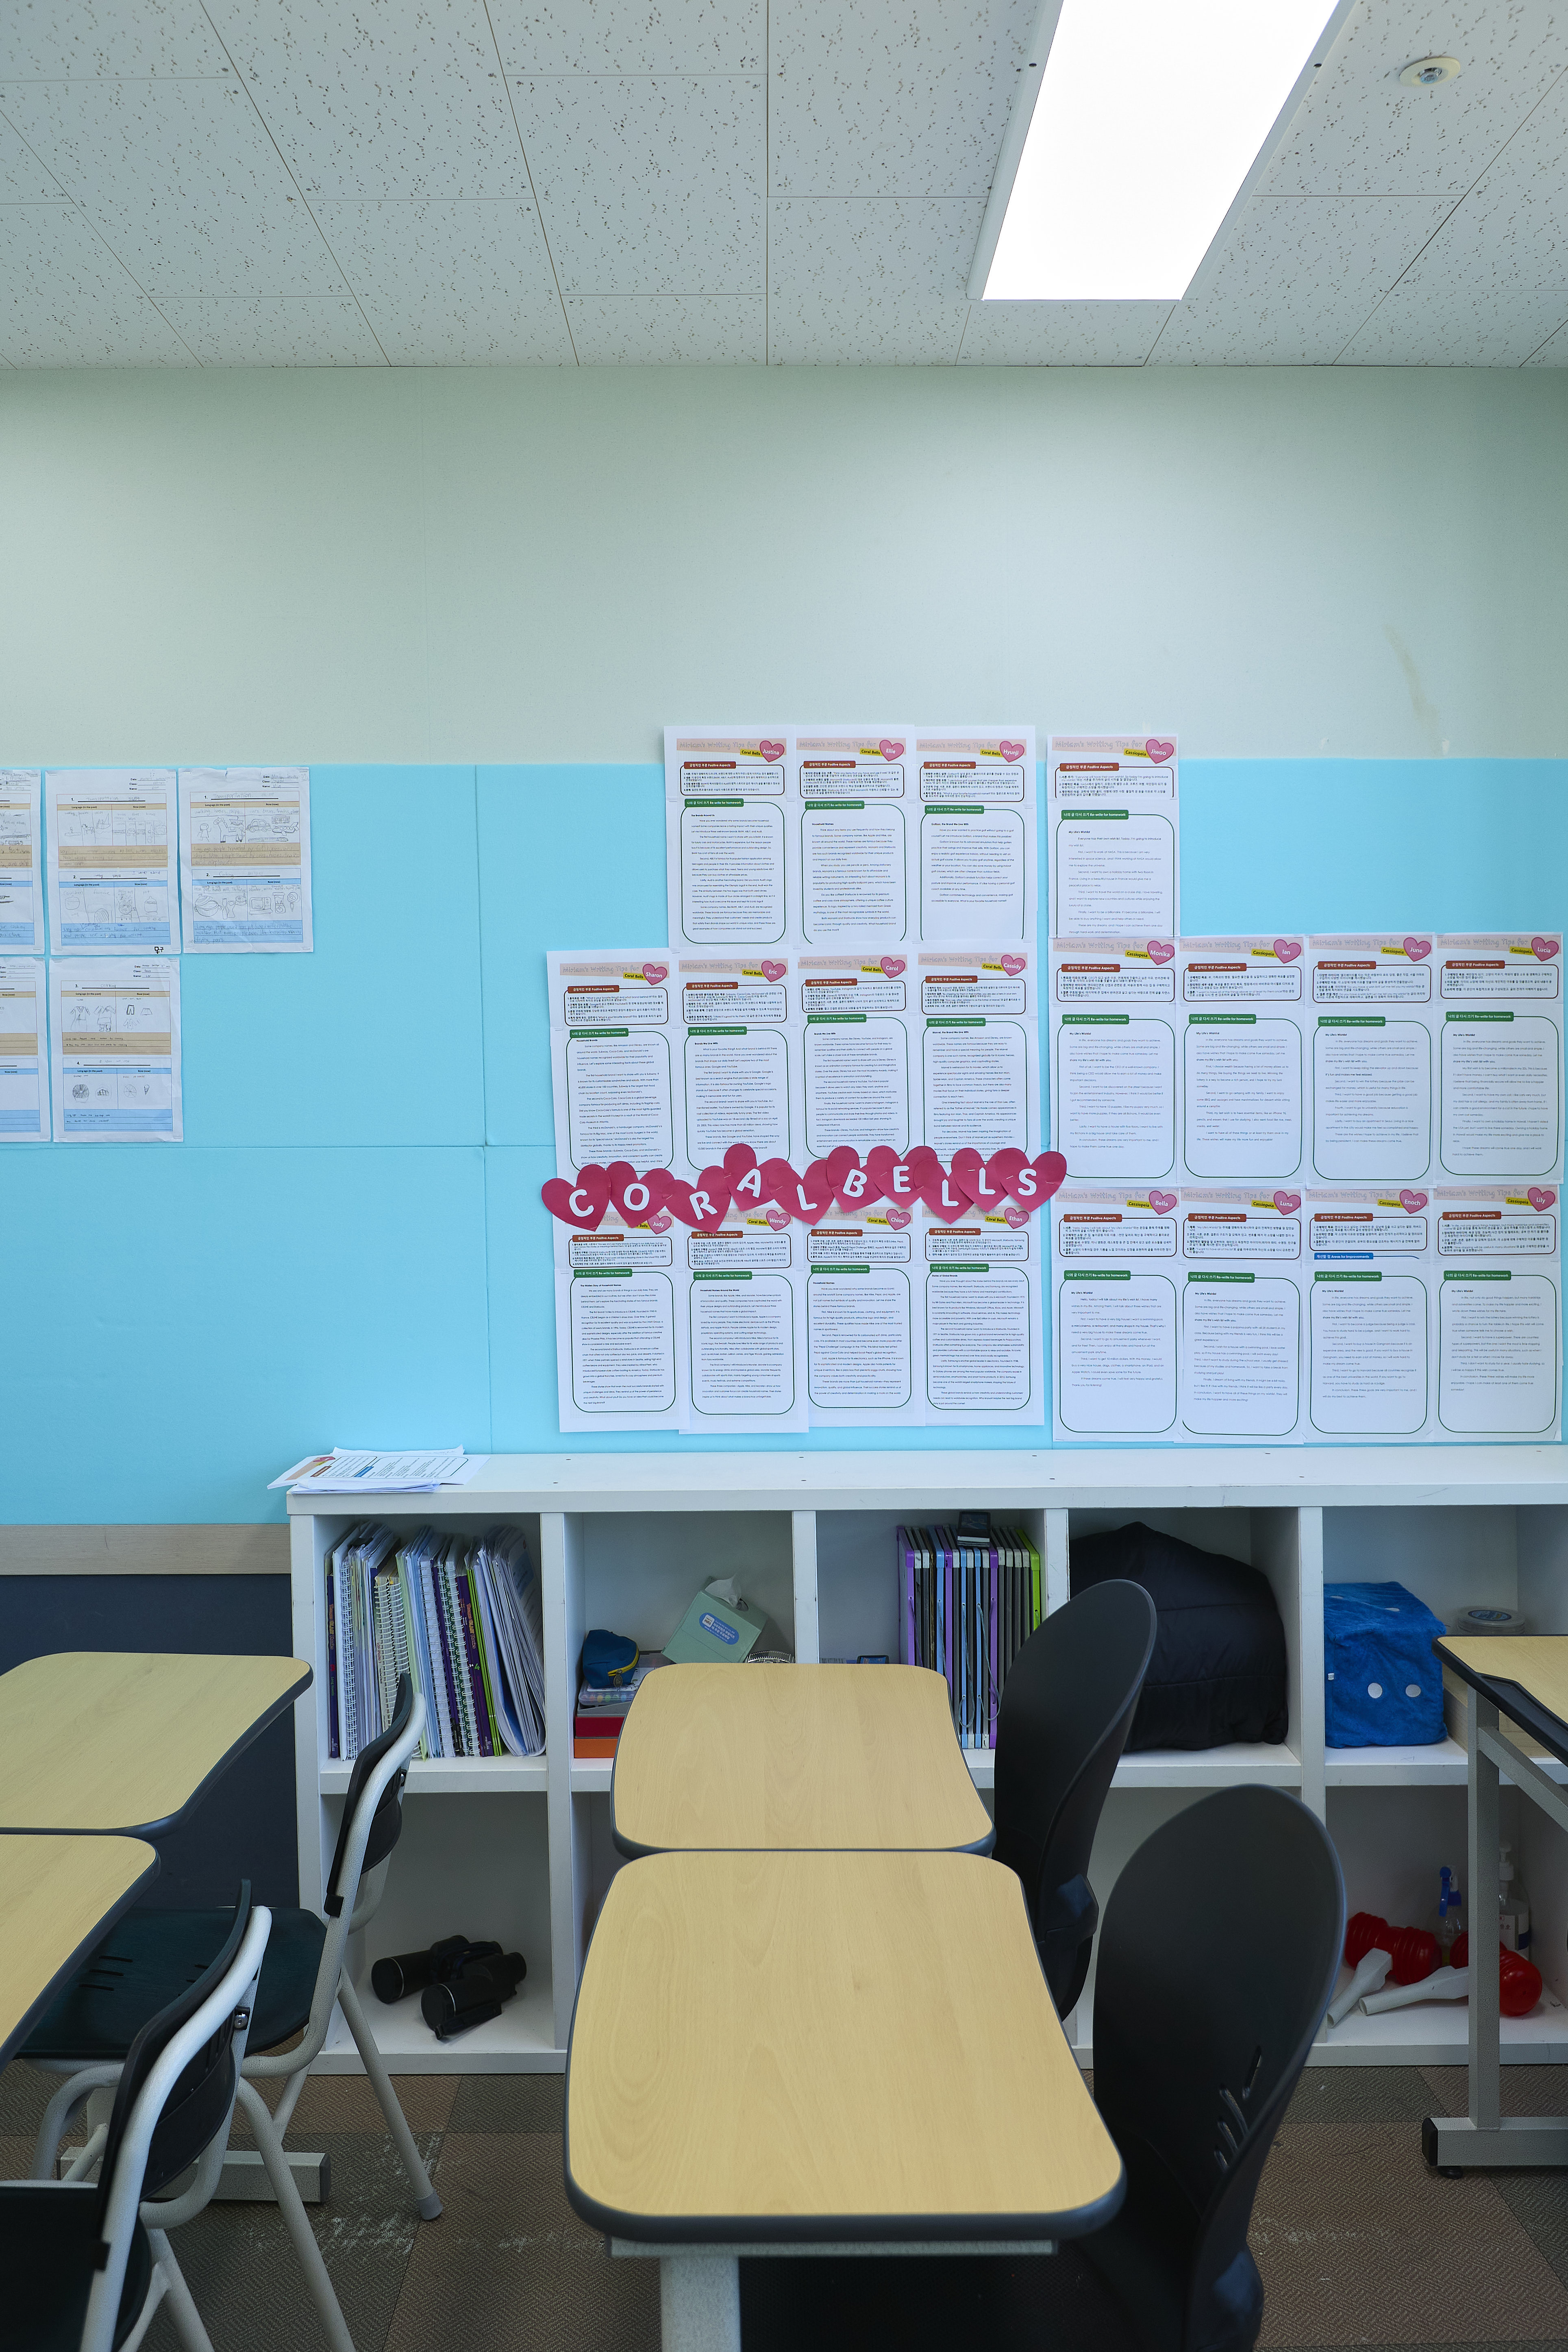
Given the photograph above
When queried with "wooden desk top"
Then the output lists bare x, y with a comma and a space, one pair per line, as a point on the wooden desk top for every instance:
1537, 1663
57, 1896
821, 2046
124, 1741
793, 1757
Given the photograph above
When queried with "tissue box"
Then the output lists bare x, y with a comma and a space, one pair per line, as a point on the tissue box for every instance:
712, 1633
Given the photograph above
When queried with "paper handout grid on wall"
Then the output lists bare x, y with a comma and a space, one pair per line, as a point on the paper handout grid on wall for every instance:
121, 870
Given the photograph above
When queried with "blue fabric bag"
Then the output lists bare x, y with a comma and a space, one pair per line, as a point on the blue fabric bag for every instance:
1382, 1685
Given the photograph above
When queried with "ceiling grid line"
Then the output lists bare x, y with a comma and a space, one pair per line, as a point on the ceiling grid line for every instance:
533, 191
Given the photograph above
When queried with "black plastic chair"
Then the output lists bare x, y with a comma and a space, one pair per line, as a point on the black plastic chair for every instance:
83, 2272
1217, 1959
1066, 1707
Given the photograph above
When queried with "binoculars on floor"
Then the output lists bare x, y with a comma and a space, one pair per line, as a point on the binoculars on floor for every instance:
459, 1984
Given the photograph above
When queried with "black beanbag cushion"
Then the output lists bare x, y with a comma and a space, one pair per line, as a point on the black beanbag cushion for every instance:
1217, 1674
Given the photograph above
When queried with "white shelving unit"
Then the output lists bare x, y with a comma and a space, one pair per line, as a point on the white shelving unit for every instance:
520, 1850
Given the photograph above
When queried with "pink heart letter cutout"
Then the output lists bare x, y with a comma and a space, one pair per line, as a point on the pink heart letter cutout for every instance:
1286, 949
1162, 1202
984, 1181
747, 1188
806, 1197
1287, 1202
771, 747
653, 973
1031, 1182
771, 971
661, 1222
896, 1218
1540, 1196
1544, 948
1015, 1215
944, 1196
778, 1218
701, 1205
1159, 749
1013, 965
853, 1186
889, 750
634, 1197
1412, 1203
1161, 951
582, 1204
1416, 950
1011, 750
897, 1180
892, 966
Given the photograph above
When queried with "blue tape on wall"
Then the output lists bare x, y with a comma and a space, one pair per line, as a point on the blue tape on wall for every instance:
350, 1247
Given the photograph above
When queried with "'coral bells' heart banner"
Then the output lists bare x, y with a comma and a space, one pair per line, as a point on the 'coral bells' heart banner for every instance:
1008, 1184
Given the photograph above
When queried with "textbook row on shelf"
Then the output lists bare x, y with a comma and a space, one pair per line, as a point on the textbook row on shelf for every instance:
969, 1599
460, 1617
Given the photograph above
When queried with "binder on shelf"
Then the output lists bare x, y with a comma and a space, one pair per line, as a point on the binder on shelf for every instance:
967, 1603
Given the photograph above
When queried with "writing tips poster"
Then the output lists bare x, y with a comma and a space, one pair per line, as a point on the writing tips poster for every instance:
1243, 1338
732, 830
1369, 1314
1115, 1279
1498, 1004
1116, 1071
21, 869
1114, 836
1244, 1062
1496, 1274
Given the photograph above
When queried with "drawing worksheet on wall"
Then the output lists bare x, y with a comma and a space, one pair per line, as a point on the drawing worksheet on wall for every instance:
245, 860
114, 1049
113, 860
24, 1051
21, 871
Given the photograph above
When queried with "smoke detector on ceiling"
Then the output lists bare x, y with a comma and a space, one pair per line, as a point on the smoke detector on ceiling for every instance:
1430, 73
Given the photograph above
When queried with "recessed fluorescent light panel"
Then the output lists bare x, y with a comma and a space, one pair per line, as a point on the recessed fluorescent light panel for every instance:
1136, 138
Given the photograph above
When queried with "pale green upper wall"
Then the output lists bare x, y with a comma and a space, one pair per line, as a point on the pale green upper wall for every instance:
531, 565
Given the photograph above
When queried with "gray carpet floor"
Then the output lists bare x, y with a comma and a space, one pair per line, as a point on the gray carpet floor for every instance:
1357, 2241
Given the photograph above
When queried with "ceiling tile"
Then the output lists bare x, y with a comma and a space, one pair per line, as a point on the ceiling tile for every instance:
608, 36
711, 330
1358, 133
1511, 231
65, 302
451, 284
41, 40
1455, 326
182, 181
1061, 334
650, 186
379, 97
869, 283
903, 100
235, 331
1296, 281
1553, 352
23, 179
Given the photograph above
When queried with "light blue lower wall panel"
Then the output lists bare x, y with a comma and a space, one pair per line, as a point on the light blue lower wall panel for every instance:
186, 1323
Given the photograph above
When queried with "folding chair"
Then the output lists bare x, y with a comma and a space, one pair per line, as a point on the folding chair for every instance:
87, 2265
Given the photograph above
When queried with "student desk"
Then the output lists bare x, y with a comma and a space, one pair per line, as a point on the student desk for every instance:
1525, 1677
815, 2053
124, 1741
59, 1899
793, 1757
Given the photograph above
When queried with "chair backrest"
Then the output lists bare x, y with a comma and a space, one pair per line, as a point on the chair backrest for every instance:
1066, 1707
1217, 1961
387, 1825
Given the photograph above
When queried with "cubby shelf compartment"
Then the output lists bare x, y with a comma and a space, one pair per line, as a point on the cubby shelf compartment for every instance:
625, 1539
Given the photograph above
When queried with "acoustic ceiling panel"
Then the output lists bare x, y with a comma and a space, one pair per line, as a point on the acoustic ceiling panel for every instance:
65, 302
1455, 326
877, 284
88, 40
288, 331
646, 36
451, 284
669, 329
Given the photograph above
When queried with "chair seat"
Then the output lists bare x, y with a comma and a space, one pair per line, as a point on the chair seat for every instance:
48, 2233
930, 2303
150, 1957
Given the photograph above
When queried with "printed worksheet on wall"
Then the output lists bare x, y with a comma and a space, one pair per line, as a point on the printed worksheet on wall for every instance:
1497, 1286
1499, 999
1243, 1336
24, 1051
1116, 1072
113, 860
1115, 1277
620, 1326
984, 1360
1374, 1084
1114, 836
114, 1049
21, 870
1244, 1061
979, 1056
1369, 1313
859, 1051
741, 1055
974, 862
616, 1059
245, 860
865, 1309
732, 838
746, 1324
856, 817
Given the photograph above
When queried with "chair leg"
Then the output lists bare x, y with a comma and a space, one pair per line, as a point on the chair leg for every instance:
182, 2311
425, 2197
296, 2220
157, 2288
